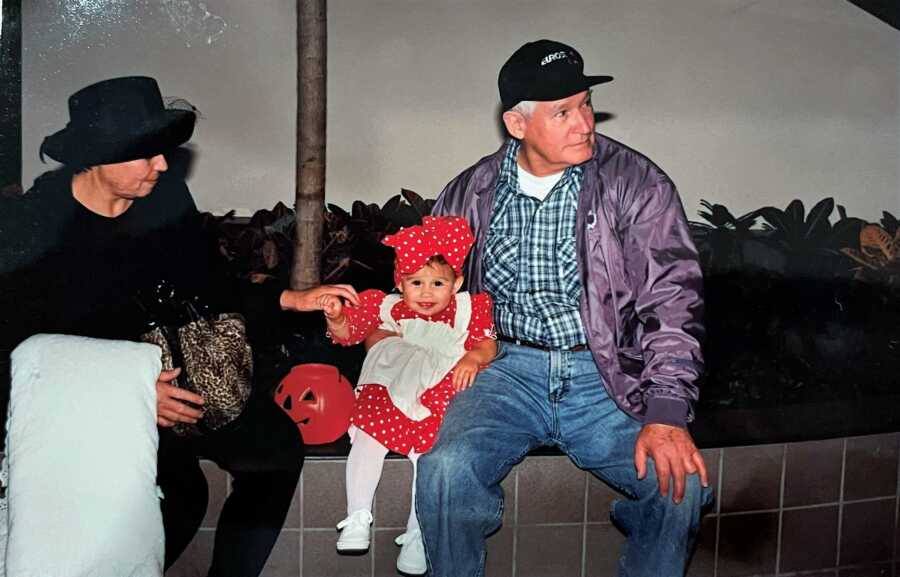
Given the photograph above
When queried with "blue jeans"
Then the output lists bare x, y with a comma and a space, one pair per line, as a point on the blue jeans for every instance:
529, 398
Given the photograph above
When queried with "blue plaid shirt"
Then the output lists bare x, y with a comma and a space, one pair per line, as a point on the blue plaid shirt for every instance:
530, 267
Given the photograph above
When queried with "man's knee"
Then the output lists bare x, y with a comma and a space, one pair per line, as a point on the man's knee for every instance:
696, 497
444, 460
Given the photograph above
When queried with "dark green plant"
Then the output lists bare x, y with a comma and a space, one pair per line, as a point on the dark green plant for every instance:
721, 240
261, 248
810, 242
889, 223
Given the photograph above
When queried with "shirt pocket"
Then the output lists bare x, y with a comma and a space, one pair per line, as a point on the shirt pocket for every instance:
567, 264
501, 257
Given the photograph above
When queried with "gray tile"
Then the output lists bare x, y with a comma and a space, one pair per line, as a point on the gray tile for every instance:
217, 481
871, 469
195, 560
386, 551
600, 495
549, 551
876, 570
551, 490
320, 559
747, 544
867, 532
509, 498
393, 499
809, 539
704, 559
500, 553
813, 472
604, 547
294, 518
324, 494
751, 478
284, 561
711, 457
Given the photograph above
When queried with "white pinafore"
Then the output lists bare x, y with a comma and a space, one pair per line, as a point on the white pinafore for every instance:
423, 354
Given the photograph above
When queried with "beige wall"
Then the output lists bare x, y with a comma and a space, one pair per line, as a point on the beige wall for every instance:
742, 102
234, 59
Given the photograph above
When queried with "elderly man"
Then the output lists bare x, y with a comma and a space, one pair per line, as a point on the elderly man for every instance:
584, 247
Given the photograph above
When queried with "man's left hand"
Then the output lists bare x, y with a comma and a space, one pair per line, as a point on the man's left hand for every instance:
674, 454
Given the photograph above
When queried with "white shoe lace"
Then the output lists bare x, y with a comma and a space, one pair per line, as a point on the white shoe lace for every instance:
408, 537
361, 517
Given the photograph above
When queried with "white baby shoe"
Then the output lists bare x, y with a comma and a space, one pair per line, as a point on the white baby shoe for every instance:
355, 531
412, 554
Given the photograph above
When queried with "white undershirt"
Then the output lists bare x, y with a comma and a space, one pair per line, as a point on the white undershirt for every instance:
537, 186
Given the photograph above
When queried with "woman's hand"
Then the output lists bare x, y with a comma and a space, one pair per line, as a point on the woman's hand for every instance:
310, 299
171, 401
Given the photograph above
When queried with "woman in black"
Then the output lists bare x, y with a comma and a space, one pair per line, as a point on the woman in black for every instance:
89, 238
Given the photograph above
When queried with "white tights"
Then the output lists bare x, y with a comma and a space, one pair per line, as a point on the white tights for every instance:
364, 466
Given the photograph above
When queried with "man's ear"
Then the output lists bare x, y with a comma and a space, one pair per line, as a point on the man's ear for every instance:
515, 123
457, 284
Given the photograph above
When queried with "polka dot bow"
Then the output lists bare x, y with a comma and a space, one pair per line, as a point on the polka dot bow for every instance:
448, 236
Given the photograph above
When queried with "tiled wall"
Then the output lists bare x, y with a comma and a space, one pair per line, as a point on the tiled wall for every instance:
820, 508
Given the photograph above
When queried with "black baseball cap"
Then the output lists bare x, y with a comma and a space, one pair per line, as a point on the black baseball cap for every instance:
543, 70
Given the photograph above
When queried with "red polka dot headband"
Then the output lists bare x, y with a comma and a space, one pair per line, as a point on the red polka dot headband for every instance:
448, 236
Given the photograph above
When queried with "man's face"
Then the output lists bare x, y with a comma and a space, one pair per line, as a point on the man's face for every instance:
557, 134
428, 290
134, 178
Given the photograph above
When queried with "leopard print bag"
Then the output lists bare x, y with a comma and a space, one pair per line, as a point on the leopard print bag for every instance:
216, 363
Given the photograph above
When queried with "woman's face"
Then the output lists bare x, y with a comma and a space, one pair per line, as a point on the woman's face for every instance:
428, 290
134, 178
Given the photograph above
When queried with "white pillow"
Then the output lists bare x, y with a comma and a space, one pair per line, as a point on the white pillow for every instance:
81, 446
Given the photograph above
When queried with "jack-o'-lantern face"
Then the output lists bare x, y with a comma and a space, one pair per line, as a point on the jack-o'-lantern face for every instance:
319, 399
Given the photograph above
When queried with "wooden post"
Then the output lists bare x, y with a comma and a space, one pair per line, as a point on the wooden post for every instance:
11, 97
311, 102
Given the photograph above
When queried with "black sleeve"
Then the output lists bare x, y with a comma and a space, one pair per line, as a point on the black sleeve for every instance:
202, 269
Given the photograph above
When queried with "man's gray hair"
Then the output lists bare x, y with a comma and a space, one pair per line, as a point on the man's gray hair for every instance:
525, 108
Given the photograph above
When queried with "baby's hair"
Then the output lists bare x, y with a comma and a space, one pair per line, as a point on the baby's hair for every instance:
437, 259
440, 260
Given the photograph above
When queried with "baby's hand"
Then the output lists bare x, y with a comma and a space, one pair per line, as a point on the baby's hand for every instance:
332, 306
464, 373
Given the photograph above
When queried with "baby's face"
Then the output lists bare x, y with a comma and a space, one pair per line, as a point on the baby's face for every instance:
428, 290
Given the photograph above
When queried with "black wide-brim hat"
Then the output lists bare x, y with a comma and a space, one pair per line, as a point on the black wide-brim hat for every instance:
118, 120
543, 70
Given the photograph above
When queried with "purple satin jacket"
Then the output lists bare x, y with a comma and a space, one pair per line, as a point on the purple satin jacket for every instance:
642, 301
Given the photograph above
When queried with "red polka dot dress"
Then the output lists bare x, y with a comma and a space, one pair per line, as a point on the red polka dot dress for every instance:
374, 411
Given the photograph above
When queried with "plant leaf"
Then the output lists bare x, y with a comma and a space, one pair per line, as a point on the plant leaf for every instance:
817, 223
874, 241
795, 212
777, 219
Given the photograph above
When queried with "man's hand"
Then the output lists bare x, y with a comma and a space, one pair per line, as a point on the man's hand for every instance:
674, 454
310, 299
170, 401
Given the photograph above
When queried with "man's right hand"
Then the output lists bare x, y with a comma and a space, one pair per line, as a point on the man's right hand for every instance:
171, 401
